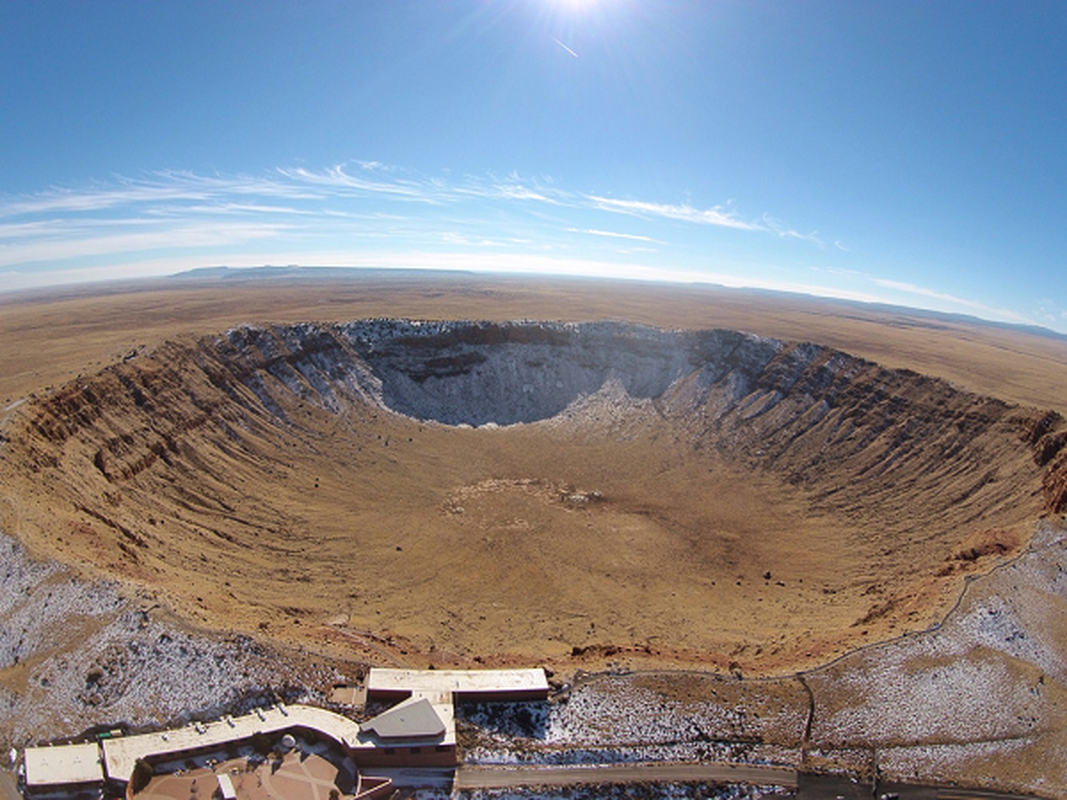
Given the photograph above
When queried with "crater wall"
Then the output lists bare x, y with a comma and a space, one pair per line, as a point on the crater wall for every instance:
812, 413
270, 476
523, 372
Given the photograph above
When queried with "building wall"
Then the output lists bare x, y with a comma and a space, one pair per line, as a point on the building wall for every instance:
442, 755
64, 789
507, 696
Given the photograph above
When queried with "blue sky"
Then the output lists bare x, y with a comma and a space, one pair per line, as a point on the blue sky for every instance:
902, 152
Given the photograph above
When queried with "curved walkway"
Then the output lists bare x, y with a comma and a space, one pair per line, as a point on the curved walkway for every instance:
121, 754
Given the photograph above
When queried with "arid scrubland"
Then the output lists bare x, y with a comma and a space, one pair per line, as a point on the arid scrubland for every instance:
252, 461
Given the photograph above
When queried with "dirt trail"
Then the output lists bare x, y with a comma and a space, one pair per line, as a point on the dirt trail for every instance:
468, 778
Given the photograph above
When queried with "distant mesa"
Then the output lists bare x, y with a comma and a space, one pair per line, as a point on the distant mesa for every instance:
289, 272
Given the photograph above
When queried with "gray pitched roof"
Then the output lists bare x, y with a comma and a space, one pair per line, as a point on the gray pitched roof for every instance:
409, 720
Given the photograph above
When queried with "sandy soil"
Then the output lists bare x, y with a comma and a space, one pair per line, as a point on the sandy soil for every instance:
609, 531
385, 540
393, 541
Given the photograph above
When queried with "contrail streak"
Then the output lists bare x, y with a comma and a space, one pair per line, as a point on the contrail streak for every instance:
557, 41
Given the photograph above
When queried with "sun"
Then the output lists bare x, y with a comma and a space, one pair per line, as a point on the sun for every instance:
574, 6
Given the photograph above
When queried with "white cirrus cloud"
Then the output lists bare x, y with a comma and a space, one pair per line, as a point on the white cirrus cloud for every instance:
354, 207
338, 179
612, 234
103, 243
920, 291
972, 306
717, 215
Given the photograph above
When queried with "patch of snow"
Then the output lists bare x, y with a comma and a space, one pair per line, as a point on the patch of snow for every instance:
95, 657
939, 703
609, 720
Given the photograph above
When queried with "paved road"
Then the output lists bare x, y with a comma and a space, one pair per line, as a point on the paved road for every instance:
8, 791
512, 777
828, 787
809, 787
972, 794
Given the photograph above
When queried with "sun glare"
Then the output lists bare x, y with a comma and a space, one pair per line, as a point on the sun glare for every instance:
574, 6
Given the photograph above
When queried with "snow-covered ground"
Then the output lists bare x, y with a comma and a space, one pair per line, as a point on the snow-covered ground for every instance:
982, 698
611, 719
76, 654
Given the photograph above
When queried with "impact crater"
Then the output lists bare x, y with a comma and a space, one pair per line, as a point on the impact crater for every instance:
472, 492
